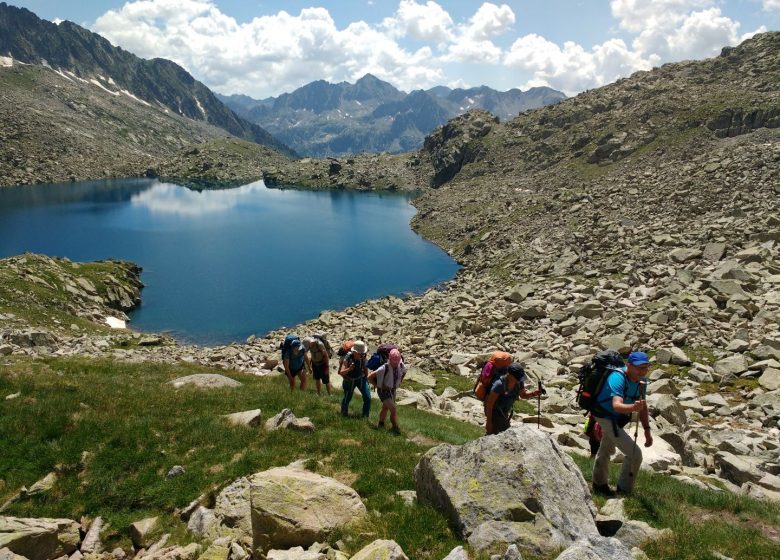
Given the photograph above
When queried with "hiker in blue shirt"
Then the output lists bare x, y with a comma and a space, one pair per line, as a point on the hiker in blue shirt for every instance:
296, 363
623, 394
502, 397
355, 373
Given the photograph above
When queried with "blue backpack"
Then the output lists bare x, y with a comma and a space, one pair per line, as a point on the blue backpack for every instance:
287, 345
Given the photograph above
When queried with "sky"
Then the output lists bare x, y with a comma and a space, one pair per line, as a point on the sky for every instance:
266, 48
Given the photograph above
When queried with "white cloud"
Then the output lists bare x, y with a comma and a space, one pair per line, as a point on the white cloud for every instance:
425, 22
638, 15
770, 5
490, 21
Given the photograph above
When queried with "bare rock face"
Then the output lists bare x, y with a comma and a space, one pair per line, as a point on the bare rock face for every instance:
291, 507
518, 486
39, 539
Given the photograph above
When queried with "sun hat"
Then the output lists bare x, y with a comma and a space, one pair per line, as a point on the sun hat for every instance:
638, 358
395, 357
360, 347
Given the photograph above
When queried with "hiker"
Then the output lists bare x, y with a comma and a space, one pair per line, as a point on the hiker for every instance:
621, 396
386, 378
296, 362
354, 371
503, 394
320, 353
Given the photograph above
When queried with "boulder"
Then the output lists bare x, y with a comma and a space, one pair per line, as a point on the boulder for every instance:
291, 507
533, 537
250, 418
673, 356
205, 381
736, 469
521, 481
141, 531
91, 542
39, 539
287, 420
521, 292
6, 554
770, 379
597, 548
232, 509
634, 533
418, 376
381, 550
457, 553
667, 407
295, 553
733, 365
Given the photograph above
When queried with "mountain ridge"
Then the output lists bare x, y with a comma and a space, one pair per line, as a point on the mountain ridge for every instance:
325, 119
88, 56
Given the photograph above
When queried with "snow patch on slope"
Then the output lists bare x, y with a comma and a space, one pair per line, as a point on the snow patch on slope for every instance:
104, 88
6, 61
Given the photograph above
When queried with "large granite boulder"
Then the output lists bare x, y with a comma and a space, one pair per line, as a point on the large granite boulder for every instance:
292, 507
518, 486
39, 539
597, 548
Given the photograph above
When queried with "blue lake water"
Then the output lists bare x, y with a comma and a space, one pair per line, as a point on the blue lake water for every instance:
220, 265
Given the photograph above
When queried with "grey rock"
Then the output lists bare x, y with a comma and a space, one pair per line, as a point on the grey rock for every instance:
250, 418
551, 499
381, 550
287, 420
205, 381
457, 553
39, 539
673, 355
141, 531
770, 379
635, 533
91, 542
733, 365
597, 548
176, 470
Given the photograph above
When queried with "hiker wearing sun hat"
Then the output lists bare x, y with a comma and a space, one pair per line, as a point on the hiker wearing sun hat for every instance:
387, 378
354, 371
623, 394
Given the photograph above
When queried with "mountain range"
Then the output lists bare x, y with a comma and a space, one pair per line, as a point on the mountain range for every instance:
324, 119
80, 55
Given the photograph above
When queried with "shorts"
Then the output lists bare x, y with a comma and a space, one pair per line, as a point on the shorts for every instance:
296, 372
385, 394
321, 372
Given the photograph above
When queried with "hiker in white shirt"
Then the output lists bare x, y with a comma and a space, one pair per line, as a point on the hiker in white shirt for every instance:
387, 378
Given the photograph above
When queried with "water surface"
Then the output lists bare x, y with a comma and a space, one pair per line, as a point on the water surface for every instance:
220, 265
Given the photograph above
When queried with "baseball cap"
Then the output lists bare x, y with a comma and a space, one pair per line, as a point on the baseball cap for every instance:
638, 358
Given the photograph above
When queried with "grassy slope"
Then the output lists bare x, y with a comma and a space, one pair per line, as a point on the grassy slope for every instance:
135, 428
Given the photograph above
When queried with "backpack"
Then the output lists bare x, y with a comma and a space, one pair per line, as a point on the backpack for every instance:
495, 367
322, 338
287, 345
592, 378
345, 348
381, 355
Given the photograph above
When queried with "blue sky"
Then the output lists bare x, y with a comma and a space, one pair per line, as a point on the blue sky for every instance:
264, 48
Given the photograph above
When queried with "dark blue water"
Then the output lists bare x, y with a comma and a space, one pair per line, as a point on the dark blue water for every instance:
220, 265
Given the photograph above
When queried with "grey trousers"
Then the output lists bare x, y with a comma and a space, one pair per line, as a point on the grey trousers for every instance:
625, 443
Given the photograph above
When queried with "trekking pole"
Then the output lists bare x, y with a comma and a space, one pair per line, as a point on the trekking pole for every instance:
636, 432
539, 407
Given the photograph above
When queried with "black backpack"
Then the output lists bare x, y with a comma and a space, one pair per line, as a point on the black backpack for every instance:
592, 378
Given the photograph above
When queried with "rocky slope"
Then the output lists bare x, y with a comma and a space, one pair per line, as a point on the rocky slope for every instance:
323, 119
89, 58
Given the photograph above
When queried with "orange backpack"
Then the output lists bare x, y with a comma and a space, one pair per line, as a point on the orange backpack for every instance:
493, 368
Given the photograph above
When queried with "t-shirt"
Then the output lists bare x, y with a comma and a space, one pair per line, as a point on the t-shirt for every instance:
389, 377
317, 348
618, 385
506, 398
296, 360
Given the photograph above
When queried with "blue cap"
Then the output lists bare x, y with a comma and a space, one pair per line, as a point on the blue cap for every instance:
638, 358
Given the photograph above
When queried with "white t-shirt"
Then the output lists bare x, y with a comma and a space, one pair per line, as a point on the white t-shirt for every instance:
388, 377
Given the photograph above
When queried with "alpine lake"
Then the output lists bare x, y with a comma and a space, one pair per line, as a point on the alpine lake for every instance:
222, 264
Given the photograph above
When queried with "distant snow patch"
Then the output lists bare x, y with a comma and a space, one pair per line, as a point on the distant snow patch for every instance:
63, 74
101, 77
111, 81
202, 110
57, 21
358, 102
130, 95
470, 100
72, 75
115, 323
6, 61
104, 88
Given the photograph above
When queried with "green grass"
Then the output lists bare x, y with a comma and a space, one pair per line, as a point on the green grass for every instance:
702, 521
134, 428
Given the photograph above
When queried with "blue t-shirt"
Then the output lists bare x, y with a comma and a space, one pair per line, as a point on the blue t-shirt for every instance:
506, 398
296, 360
618, 385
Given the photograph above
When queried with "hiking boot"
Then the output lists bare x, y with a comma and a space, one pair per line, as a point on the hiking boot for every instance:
380, 424
395, 430
620, 492
604, 490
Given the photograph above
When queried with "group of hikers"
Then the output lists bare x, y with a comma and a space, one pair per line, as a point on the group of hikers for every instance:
384, 370
611, 391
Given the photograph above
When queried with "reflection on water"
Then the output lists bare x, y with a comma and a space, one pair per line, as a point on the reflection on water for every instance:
166, 198
220, 265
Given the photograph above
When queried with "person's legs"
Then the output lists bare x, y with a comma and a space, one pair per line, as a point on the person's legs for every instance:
291, 381
500, 422
349, 390
383, 414
606, 449
393, 414
365, 391
303, 380
631, 462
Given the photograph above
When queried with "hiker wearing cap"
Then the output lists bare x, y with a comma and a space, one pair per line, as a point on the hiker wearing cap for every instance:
622, 395
387, 378
296, 363
320, 360
354, 371
503, 394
